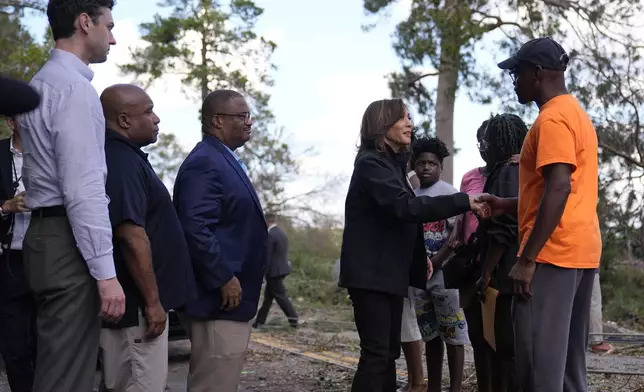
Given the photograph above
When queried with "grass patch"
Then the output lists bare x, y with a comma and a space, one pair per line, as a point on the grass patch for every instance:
623, 296
312, 280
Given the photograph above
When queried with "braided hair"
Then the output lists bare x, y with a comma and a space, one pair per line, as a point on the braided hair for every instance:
504, 136
432, 145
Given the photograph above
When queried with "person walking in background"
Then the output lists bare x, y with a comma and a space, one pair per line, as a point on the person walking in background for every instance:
150, 252
382, 245
596, 326
499, 242
277, 268
17, 305
440, 318
68, 246
560, 240
224, 226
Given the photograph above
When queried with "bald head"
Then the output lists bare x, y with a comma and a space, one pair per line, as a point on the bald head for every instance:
128, 110
225, 115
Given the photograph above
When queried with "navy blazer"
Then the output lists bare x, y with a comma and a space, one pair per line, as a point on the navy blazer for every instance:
224, 226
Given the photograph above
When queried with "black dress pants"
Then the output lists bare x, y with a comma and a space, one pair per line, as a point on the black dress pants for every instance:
378, 318
275, 290
17, 322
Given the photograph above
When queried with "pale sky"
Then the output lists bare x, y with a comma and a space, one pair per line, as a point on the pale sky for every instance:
329, 70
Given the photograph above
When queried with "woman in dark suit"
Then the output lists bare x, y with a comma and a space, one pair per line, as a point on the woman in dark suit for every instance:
382, 246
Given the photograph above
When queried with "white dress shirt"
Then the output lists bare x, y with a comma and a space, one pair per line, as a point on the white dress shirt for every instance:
20, 220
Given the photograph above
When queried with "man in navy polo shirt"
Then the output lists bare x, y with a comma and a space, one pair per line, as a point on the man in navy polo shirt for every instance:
150, 253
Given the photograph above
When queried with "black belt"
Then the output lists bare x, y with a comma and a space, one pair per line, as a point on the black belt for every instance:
49, 212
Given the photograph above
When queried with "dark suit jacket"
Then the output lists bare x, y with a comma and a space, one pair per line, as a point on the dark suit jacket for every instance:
278, 264
225, 230
382, 244
6, 186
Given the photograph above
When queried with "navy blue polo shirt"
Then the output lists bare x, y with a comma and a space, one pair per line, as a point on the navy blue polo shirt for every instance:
137, 195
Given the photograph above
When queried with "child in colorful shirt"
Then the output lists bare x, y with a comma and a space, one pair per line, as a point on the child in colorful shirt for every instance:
440, 318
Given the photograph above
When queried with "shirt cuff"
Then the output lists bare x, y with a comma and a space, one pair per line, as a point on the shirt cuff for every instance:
102, 267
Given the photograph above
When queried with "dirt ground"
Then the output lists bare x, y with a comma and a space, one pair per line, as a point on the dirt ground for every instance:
329, 336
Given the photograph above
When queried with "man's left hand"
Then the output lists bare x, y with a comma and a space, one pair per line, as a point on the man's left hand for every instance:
521, 274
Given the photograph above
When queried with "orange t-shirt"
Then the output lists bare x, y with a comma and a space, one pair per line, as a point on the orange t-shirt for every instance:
562, 133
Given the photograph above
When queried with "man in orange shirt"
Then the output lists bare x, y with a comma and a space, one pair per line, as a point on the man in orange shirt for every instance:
558, 225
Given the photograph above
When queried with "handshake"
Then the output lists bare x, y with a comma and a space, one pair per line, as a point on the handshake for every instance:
485, 205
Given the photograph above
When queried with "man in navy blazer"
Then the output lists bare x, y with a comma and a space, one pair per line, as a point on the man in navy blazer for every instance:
224, 226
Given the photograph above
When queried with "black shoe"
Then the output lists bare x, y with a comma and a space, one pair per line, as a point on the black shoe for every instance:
257, 325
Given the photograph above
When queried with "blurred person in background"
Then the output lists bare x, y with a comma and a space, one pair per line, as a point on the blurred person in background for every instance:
277, 269
17, 303
596, 326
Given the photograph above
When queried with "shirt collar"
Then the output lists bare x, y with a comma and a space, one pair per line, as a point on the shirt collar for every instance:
13, 150
237, 158
271, 226
113, 135
71, 60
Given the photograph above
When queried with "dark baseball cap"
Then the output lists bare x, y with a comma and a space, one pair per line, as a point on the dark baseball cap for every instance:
17, 97
545, 52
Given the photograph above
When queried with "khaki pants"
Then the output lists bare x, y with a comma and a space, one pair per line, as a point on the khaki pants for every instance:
217, 354
596, 326
132, 363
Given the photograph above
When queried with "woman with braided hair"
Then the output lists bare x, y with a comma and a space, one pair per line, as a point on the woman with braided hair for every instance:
499, 241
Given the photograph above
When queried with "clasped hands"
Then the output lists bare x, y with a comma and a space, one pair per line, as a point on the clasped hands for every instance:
479, 205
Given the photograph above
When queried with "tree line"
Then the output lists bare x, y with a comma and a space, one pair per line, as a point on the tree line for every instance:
438, 44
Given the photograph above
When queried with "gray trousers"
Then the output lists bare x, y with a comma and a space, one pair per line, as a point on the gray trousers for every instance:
68, 303
551, 330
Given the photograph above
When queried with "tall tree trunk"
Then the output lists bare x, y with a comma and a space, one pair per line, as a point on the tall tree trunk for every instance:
445, 102
450, 59
204, 62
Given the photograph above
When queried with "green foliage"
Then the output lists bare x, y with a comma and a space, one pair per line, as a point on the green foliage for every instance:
166, 156
313, 251
212, 46
622, 295
5, 131
21, 56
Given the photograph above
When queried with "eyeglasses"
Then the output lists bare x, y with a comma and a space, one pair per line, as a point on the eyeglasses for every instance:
514, 75
482, 145
245, 116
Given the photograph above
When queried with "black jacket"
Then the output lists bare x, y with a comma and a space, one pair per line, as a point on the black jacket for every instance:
382, 244
6, 187
503, 181
277, 264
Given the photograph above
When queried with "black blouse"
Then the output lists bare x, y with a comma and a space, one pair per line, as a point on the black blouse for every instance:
503, 181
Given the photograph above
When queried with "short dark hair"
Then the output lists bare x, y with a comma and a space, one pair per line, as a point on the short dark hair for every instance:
432, 145
379, 117
504, 136
63, 13
214, 103
270, 216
